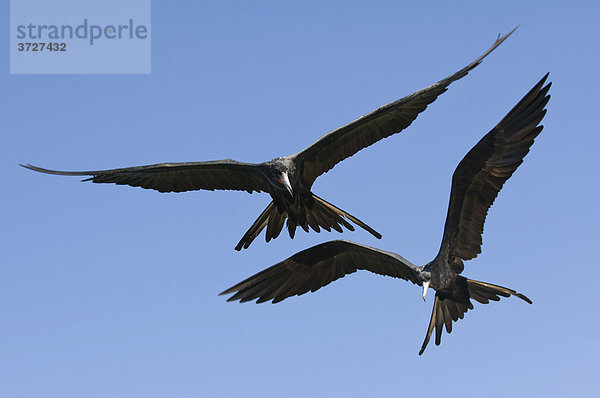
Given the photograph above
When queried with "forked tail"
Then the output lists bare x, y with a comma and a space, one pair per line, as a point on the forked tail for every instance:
322, 215
449, 307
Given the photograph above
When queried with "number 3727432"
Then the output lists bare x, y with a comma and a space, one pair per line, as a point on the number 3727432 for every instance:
42, 46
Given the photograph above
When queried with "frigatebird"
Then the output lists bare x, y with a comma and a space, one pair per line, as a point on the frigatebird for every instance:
287, 179
475, 184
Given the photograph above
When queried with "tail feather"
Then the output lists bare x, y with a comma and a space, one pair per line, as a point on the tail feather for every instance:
296, 217
337, 218
332, 219
270, 213
312, 222
321, 220
431, 324
275, 225
341, 213
449, 307
304, 225
291, 225
322, 215
439, 322
488, 291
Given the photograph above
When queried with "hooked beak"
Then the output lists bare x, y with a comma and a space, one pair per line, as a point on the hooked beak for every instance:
425, 287
286, 183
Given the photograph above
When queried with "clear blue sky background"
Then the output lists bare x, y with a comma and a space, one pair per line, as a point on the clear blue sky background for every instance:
110, 291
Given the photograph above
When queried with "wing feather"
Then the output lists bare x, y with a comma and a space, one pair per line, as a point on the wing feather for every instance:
481, 174
392, 118
179, 177
313, 268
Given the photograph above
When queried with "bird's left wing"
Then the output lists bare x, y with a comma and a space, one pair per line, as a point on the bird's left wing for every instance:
483, 171
392, 118
313, 268
179, 177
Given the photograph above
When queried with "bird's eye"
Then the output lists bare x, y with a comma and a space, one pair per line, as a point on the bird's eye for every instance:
279, 181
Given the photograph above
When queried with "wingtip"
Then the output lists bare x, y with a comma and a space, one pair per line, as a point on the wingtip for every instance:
499, 40
228, 291
539, 86
543, 79
230, 299
524, 298
502, 38
515, 28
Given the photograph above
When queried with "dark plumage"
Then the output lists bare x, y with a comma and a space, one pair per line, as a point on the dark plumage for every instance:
475, 184
287, 179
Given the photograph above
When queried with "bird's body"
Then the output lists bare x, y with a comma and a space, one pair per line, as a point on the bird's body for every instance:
476, 182
288, 180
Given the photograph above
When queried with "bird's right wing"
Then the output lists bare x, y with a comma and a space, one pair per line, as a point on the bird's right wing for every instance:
313, 268
392, 118
179, 177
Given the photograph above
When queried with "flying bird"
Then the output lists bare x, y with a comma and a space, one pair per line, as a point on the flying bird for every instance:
475, 184
287, 179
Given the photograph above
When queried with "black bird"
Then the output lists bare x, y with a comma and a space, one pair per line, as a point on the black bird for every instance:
287, 179
475, 184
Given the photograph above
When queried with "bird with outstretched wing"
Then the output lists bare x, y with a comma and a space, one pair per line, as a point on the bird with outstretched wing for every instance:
287, 179
476, 183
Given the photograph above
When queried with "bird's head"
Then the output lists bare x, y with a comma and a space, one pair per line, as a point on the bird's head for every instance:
283, 182
282, 175
425, 277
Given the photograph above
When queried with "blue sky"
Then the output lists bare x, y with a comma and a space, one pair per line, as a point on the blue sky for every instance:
110, 291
